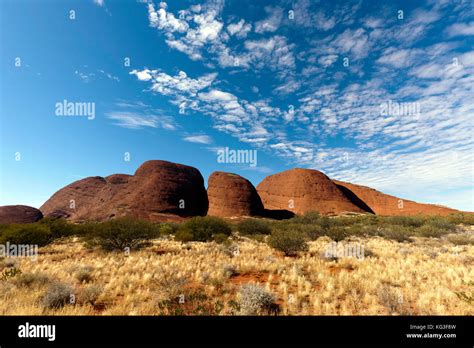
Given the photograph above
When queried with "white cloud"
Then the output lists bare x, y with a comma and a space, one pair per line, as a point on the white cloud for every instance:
274, 53
165, 20
199, 139
135, 120
84, 77
405, 153
324, 22
398, 58
216, 95
328, 60
172, 85
143, 75
461, 29
272, 22
99, 2
239, 29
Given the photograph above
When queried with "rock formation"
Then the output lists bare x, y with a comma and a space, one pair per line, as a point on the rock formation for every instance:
157, 191
301, 190
383, 204
19, 214
232, 195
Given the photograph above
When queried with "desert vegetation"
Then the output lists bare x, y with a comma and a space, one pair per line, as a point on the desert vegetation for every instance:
209, 266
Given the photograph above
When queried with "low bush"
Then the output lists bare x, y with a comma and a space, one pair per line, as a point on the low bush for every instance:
288, 241
58, 295
459, 239
220, 238
58, 227
430, 231
406, 221
84, 274
90, 294
36, 234
121, 233
396, 232
310, 217
337, 233
254, 300
32, 279
441, 223
254, 226
461, 218
167, 228
202, 229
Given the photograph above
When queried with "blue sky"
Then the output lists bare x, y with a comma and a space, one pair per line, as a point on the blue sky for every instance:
301, 82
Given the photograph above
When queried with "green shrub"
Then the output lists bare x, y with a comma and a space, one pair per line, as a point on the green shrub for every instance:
58, 227
441, 223
406, 221
254, 226
430, 231
120, 233
184, 235
202, 229
461, 218
398, 233
310, 217
37, 234
337, 233
220, 238
288, 241
168, 228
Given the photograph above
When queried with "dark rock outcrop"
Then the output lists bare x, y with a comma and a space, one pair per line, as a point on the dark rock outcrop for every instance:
19, 214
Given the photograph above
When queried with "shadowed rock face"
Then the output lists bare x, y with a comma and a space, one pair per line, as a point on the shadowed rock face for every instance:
382, 204
19, 214
232, 195
301, 190
156, 190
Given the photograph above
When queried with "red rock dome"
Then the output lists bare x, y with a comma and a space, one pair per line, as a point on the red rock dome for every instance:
232, 195
301, 190
157, 188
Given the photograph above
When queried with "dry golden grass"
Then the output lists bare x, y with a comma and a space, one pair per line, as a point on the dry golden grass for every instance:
169, 277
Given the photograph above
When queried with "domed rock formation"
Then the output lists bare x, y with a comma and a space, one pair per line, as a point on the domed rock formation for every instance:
232, 195
301, 190
19, 214
383, 204
156, 190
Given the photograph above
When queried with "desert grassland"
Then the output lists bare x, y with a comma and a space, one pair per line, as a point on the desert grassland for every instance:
174, 278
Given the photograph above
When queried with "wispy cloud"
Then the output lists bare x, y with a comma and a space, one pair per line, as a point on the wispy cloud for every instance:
388, 60
199, 139
138, 115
